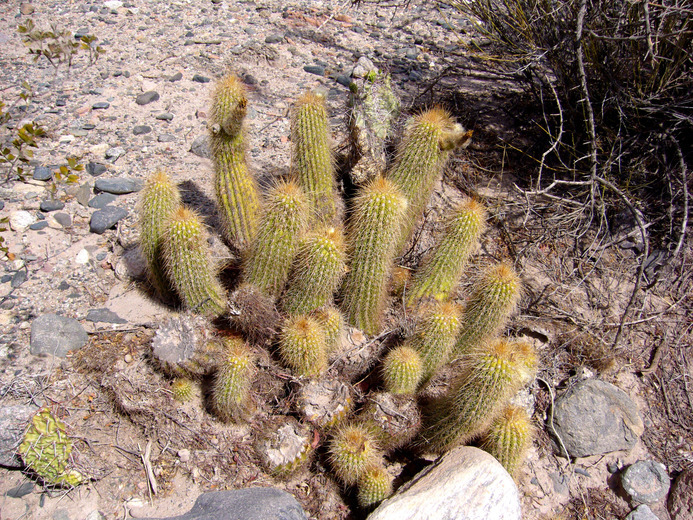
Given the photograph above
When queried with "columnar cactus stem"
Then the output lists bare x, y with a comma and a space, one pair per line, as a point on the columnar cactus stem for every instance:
332, 322
302, 346
377, 218
374, 487
509, 437
312, 161
159, 199
273, 249
235, 187
493, 299
442, 268
402, 370
189, 264
421, 156
231, 393
318, 269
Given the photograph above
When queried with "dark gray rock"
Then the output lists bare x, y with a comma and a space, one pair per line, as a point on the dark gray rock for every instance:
244, 504
141, 129
464, 484
642, 512
106, 218
197, 78
200, 147
165, 116
315, 69
274, 38
101, 105
147, 97
21, 490
166, 138
104, 316
119, 186
18, 278
56, 335
62, 218
51, 205
88, 126
38, 226
42, 173
646, 481
344, 80
594, 417
13, 422
84, 194
96, 169
102, 200
680, 502
176, 77
2, 205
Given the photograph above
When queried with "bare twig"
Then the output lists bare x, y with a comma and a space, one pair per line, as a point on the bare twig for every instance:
147, 463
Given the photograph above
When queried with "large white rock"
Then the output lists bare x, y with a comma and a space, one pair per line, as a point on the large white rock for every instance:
464, 484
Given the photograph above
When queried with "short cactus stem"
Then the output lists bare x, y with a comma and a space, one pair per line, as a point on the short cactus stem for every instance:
189, 264
494, 297
232, 383
490, 376
159, 199
441, 270
421, 156
402, 370
353, 451
182, 389
332, 322
235, 187
377, 217
509, 437
273, 249
374, 487
317, 272
312, 160
302, 346
434, 336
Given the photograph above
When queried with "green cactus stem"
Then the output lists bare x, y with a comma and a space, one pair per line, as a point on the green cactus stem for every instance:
182, 389
231, 392
434, 336
302, 346
318, 269
332, 322
509, 437
189, 264
402, 370
47, 450
428, 140
494, 297
490, 376
272, 251
374, 486
159, 199
441, 270
312, 160
353, 451
378, 213
235, 187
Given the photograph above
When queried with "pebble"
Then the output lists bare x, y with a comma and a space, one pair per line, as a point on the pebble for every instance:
42, 173
166, 138
646, 481
64, 219
101, 105
184, 455
200, 147
119, 186
26, 8
274, 38
113, 154
197, 78
165, 116
642, 512
147, 97
18, 278
102, 200
315, 69
13, 423
2, 205
106, 218
141, 129
38, 226
56, 335
83, 194
176, 77
104, 316
21, 220
344, 80
96, 169
51, 205
113, 4
21, 490
82, 257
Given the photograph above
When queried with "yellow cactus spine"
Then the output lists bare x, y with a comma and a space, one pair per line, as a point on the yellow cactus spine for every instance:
353, 451
377, 218
235, 187
402, 370
374, 487
302, 346
231, 392
509, 437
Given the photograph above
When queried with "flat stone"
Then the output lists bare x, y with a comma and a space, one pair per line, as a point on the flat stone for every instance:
21, 490
119, 186
113, 154
42, 173
18, 278
51, 205
113, 4
176, 77
200, 147
141, 129
21, 220
166, 138
642, 512
62, 218
594, 417
274, 38
84, 193
197, 78
13, 423
147, 97
106, 218
102, 200
244, 504
56, 335
38, 226
646, 481
101, 105
104, 316
315, 69
165, 116
96, 169
464, 484
680, 502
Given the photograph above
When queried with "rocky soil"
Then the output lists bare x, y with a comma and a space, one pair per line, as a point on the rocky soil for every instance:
71, 270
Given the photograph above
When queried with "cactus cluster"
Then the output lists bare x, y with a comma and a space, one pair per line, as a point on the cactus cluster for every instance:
306, 275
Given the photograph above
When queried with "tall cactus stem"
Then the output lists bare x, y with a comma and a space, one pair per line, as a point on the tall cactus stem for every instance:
302, 346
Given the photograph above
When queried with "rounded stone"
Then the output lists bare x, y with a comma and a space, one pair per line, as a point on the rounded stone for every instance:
106, 218
102, 200
42, 173
21, 220
141, 129
51, 205
642, 512
56, 335
147, 97
646, 481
